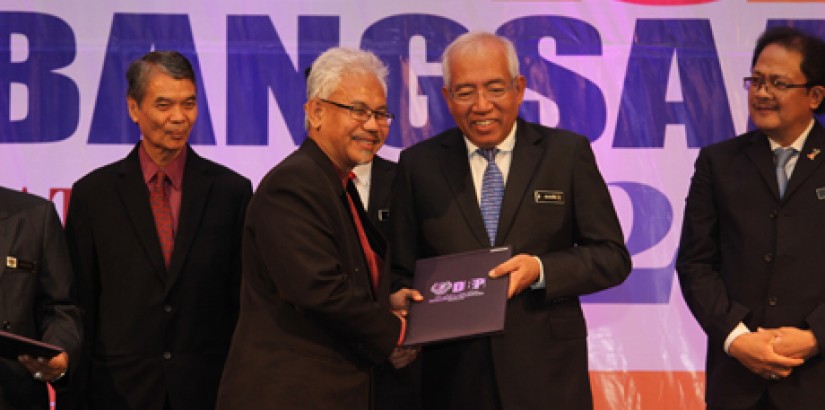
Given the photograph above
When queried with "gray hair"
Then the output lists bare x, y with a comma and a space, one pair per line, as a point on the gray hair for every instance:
474, 40
327, 70
172, 63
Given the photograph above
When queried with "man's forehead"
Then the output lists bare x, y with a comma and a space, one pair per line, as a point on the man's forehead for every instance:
359, 87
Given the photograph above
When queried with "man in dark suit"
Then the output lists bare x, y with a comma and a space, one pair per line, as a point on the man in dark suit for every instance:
35, 279
315, 305
155, 242
751, 249
556, 212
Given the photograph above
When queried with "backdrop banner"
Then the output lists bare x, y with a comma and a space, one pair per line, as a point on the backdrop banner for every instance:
648, 82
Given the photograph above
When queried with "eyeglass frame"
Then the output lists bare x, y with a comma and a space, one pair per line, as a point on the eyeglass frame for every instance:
486, 90
775, 84
370, 113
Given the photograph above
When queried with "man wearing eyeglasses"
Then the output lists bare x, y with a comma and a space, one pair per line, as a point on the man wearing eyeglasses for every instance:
750, 259
549, 202
315, 305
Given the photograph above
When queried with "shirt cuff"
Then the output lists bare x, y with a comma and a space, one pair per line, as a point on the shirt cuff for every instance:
539, 284
739, 330
403, 331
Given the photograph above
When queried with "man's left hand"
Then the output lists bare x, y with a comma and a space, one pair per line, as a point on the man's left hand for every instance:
523, 270
47, 370
402, 356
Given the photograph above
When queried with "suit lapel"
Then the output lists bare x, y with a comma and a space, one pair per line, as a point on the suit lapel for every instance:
379, 186
195, 192
456, 168
527, 155
807, 161
759, 152
7, 232
135, 197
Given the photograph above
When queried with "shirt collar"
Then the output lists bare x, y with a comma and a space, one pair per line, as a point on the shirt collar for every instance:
174, 170
799, 142
505, 146
363, 174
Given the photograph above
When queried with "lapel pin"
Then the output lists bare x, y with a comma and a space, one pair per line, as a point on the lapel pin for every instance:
814, 153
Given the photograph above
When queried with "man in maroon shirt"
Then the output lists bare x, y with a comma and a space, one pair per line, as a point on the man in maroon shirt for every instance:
155, 244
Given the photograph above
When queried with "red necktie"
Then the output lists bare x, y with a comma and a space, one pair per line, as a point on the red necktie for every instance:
163, 216
369, 254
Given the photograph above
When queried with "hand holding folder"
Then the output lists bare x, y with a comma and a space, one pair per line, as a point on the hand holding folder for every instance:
13, 346
460, 300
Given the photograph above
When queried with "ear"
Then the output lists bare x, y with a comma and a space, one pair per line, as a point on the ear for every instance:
817, 94
521, 85
133, 109
315, 113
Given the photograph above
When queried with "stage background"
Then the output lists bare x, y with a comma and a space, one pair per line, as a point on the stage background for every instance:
649, 82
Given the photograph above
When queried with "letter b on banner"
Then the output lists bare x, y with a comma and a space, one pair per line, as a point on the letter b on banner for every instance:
50, 46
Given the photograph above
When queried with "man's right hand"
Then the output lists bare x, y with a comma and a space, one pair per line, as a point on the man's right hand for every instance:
755, 351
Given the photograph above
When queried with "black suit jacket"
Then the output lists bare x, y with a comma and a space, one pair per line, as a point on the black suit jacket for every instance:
154, 333
311, 328
34, 295
745, 255
541, 358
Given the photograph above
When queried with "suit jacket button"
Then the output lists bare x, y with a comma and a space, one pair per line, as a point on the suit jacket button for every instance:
167, 308
167, 355
773, 301
768, 257
773, 214
6, 325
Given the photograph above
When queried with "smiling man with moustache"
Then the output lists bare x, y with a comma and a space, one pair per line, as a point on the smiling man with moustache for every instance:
750, 258
549, 202
155, 241
315, 307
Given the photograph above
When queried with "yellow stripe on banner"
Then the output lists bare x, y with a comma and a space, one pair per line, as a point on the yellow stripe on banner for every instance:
648, 390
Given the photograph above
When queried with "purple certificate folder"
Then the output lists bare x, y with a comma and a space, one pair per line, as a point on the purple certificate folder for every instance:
12, 345
460, 300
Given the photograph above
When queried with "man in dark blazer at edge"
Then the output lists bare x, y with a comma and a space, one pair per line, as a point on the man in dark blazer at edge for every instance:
315, 304
155, 241
750, 258
395, 389
556, 213
35, 280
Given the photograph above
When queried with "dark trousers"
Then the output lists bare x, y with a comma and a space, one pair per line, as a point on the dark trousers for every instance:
459, 375
764, 403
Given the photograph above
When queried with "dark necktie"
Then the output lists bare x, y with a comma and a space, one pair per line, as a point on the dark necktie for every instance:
370, 255
163, 216
783, 155
492, 191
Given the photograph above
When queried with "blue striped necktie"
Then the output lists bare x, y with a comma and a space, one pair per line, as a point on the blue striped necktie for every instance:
492, 190
783, 155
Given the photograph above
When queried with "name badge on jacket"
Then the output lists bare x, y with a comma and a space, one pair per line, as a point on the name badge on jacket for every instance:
383, 214
14, 263
547, 196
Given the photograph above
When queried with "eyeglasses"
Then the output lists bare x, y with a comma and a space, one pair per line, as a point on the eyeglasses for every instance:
495, 91
361, 113
755, 83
